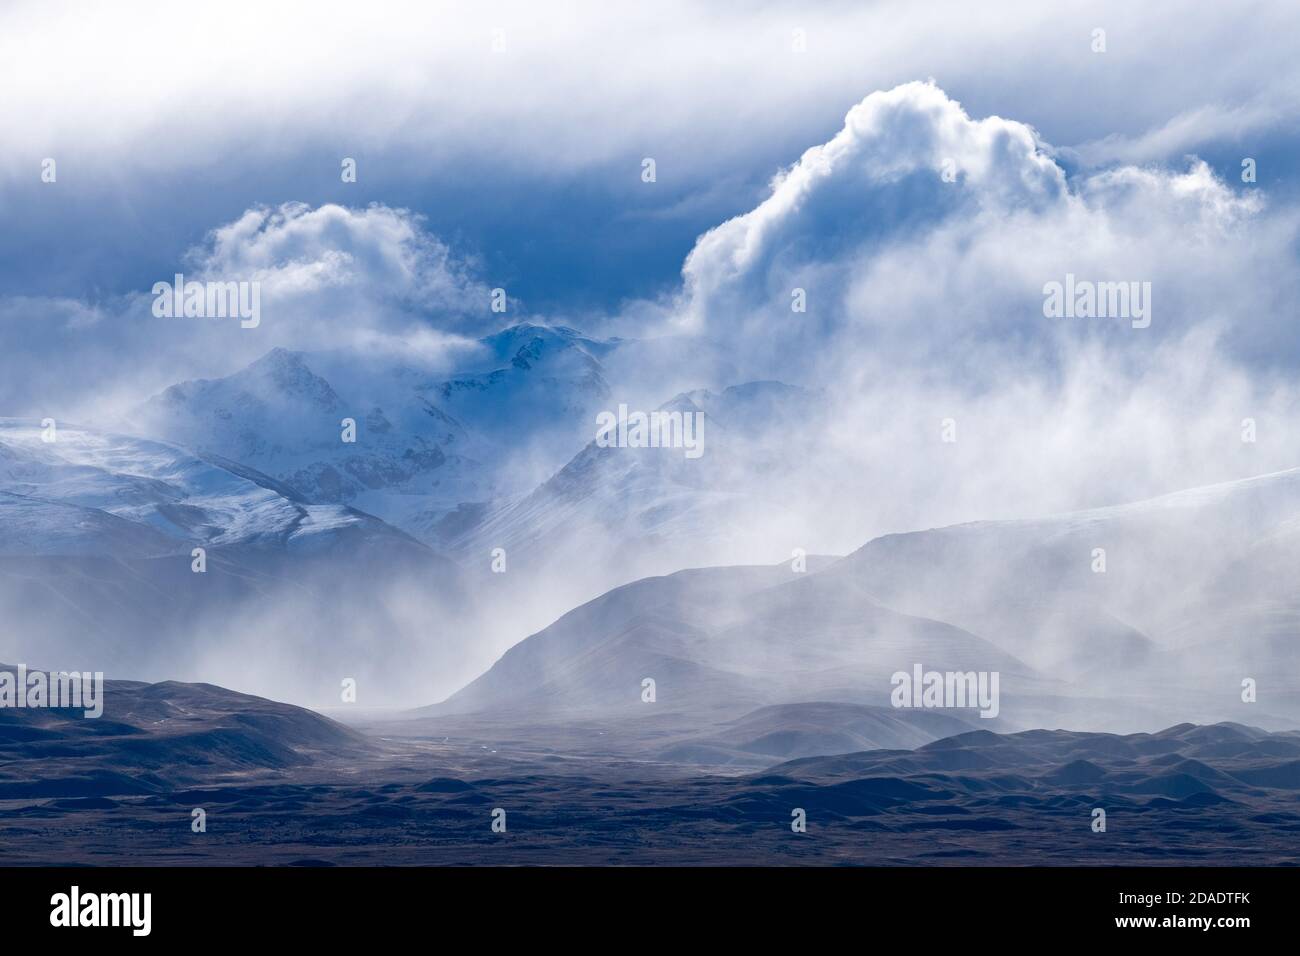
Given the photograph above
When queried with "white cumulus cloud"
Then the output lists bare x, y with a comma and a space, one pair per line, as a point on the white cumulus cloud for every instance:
920, 235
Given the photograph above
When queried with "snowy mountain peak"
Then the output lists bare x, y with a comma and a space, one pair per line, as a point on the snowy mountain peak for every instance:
422, 443
507, 344
285, 373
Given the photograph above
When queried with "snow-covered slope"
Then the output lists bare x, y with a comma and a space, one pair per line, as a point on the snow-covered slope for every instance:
654, 509
426, 439
96, 493
97, 532
280, 417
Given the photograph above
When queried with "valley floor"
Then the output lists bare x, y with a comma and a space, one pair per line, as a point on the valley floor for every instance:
1194, 796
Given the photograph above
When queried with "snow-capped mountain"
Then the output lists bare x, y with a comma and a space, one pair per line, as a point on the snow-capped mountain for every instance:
499, 452
282, 418
652, 509
527, 379
425, 439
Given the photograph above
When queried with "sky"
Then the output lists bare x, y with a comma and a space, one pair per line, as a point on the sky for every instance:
794, 146
169, 120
